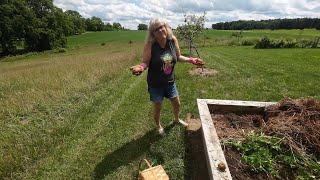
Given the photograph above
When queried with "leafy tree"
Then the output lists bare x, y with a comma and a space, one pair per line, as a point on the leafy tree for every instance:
117, 26
94, 24
191, 29
108, 27
317, 26
142, 27
13, 22
44, 32
298, 23
63, 22
38, 24
77, 22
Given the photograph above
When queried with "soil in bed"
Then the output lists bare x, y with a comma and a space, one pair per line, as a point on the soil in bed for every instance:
235, 127
296, 121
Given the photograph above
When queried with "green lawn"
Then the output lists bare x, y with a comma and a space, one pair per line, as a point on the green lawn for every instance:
105, 37
81, 114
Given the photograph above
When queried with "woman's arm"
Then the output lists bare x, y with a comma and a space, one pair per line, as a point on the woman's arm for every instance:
181, 58
146, 56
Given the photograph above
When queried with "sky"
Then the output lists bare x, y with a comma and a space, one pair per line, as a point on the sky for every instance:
130, 13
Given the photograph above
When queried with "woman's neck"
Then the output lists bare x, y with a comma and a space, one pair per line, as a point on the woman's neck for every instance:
162, 42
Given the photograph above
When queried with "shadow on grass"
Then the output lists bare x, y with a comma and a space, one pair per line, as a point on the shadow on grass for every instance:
195, 161
127, 153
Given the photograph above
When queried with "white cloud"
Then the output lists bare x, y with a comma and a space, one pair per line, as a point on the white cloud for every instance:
132, 12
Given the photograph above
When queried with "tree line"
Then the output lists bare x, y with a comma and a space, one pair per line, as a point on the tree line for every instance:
298, 23
38, 25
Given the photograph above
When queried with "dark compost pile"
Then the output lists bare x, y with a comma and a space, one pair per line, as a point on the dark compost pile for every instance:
296, 123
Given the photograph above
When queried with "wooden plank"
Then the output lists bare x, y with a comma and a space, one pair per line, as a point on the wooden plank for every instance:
237, 107
237, 103
214, 153
223, 109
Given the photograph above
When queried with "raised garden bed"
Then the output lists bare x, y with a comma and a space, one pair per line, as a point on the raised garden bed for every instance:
268, 138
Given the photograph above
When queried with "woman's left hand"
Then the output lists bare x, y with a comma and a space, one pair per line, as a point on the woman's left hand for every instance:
196, 61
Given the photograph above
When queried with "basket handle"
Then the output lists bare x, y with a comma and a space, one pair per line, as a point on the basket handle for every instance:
147, 162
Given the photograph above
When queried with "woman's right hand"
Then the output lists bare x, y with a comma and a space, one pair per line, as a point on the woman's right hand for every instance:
137, 69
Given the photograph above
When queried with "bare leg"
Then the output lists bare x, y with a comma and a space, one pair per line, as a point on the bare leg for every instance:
176, 110
176, 107
156, 113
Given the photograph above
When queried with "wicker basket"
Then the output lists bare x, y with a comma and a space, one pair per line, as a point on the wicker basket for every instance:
153, 173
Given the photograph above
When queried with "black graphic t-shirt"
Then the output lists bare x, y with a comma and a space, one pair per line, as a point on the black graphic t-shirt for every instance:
161, 67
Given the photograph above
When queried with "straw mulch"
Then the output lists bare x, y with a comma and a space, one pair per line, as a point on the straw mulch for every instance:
297, 122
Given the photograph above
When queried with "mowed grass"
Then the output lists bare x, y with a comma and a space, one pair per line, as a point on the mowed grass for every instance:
106, 37
259, 75
81, 114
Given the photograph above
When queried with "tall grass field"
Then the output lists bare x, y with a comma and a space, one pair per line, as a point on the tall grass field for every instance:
81, 114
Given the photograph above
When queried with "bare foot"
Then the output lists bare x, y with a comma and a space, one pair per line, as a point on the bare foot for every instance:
181, 122
161, 131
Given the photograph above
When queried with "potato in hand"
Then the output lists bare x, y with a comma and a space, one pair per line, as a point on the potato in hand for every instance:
137, 69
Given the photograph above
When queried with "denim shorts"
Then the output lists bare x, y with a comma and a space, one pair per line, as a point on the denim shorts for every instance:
157, 94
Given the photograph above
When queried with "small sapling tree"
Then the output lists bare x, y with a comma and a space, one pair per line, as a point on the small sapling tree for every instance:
192, 28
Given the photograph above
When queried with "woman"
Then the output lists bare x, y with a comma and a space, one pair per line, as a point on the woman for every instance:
160, 54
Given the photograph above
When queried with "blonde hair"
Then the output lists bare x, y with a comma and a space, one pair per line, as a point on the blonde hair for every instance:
152, 27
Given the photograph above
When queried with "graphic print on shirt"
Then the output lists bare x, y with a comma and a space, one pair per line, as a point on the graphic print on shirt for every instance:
167, 63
